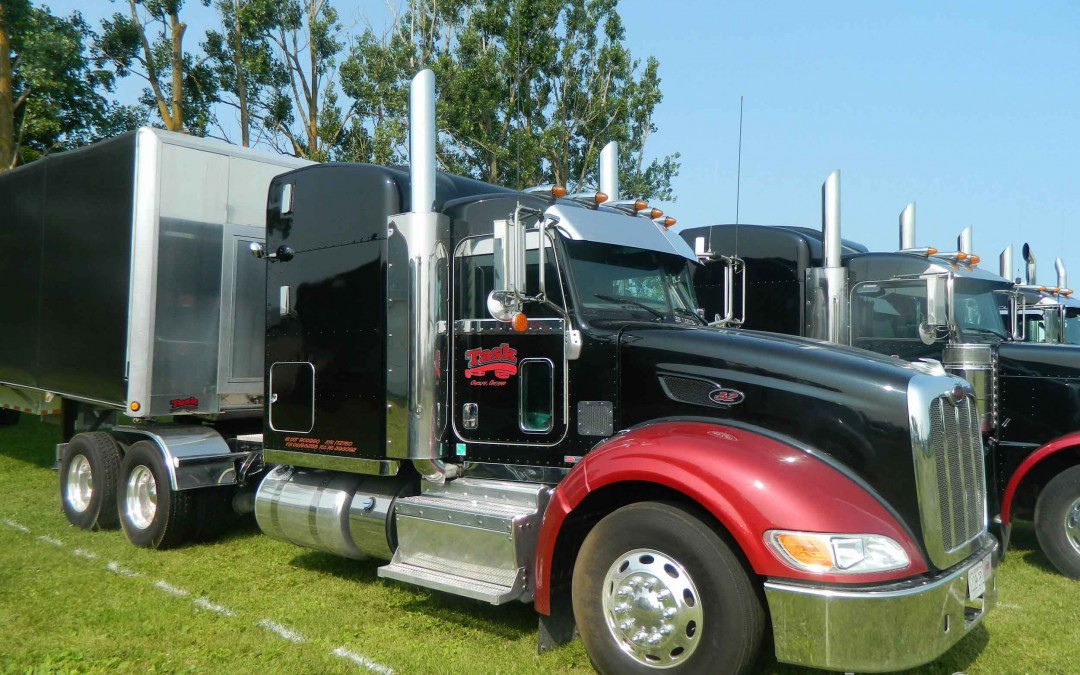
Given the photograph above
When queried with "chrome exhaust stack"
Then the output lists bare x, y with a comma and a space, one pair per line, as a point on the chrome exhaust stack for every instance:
1062, 277
417, 391
826, 286
963, 242
1005, 263
907, 227
609, 171
1029, 261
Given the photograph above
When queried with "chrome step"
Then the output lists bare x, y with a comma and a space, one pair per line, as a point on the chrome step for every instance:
469, 537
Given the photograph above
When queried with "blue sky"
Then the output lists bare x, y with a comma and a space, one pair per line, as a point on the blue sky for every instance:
971, 109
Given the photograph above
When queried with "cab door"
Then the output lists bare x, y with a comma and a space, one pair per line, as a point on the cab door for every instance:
509, 386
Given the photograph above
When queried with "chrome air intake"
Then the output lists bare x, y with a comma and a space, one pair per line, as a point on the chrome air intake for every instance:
1062, 277
1005, 263
1029, 264
826, 286
963, 242
341, 513
974, 363
609, 171
949, 470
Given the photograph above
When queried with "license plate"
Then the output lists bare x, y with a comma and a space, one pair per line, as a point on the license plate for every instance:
977, 576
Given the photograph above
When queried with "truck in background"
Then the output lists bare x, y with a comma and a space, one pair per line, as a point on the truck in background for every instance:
915, 304
509, 396
1036, 313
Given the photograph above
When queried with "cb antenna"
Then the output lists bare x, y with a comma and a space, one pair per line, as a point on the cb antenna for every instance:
738, 169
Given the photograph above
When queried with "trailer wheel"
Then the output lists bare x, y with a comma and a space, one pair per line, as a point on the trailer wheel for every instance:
1057, 521
657, 589
88, 474
152, 514
8, 418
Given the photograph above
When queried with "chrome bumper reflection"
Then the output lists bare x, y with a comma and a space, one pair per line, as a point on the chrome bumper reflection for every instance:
879, 628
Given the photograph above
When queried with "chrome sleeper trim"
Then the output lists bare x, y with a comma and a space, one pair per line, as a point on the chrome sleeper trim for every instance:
879, 628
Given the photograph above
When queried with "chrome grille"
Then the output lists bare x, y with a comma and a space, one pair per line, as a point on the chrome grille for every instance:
958, 462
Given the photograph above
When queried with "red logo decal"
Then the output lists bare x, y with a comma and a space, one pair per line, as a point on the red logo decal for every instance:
502, 361
189, 402
726, 396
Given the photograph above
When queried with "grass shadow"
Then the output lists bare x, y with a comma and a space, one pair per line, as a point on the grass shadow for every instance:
32, 441
1024, 544
511, 621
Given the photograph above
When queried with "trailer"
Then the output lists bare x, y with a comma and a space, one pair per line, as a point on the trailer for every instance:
920, 303
509, 396
133, 296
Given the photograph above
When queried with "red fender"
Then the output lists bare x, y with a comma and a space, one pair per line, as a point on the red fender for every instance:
1066, 441
751, 483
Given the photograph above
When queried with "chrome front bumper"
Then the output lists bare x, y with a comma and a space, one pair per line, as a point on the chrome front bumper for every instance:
879, 628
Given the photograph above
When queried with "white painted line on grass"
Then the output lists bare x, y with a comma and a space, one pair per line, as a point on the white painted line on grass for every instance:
83, 553
50, 541
170, 589
204, 603
363, 661
281, 631
115, 568
16, 526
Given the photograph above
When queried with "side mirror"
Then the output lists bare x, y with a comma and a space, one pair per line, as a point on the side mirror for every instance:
503, 305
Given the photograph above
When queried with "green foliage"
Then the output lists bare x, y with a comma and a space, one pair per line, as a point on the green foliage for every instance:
529, 92
58, 97
148, 42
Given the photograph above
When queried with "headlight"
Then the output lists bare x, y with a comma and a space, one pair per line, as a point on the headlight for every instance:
836, 553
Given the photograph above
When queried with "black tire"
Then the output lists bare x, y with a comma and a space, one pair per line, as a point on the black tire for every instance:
152, 514
718, 619
1057, 521
88, 475
8, 418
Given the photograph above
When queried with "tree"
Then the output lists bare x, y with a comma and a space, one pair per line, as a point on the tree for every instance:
306, 39
530, 91
242, 59
181, 88
50, 96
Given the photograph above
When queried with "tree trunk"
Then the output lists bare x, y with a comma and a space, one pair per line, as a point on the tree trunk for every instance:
241, 87
7, 98
176, 123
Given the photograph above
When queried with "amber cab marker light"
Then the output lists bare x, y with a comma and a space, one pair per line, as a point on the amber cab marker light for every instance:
640, 205
601, 198
520, 322
655, 213
805, 550
961, 256
667, 222
558, 191
135, 406
931, 251
974, 260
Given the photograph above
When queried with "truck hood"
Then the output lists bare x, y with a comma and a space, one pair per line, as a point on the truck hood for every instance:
847, 403
1039, 391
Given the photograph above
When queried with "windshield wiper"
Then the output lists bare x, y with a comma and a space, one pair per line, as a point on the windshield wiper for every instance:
630, 301
690, 313
979, 330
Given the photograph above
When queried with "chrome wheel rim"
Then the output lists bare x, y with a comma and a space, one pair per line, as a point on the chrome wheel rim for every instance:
79, 488
1072, 525
140, 499
652, 608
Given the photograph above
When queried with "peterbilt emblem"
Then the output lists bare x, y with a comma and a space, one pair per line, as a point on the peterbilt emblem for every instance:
726, 396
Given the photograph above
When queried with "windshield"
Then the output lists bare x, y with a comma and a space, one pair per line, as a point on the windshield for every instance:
622, 282
1072, 325
975, 311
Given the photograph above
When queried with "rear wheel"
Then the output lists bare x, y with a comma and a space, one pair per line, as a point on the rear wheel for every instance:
88, 474
152, 514
1057, 521
657, 589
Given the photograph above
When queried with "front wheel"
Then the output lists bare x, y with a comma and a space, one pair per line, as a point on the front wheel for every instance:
152, 514
655, 588
1057, 521
88, 473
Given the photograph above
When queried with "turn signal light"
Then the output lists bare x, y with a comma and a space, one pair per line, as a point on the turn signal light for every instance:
806, 550
135, 406
558, 191
520, 322
655, 213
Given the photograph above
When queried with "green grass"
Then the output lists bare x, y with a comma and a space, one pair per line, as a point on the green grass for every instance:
63, 613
